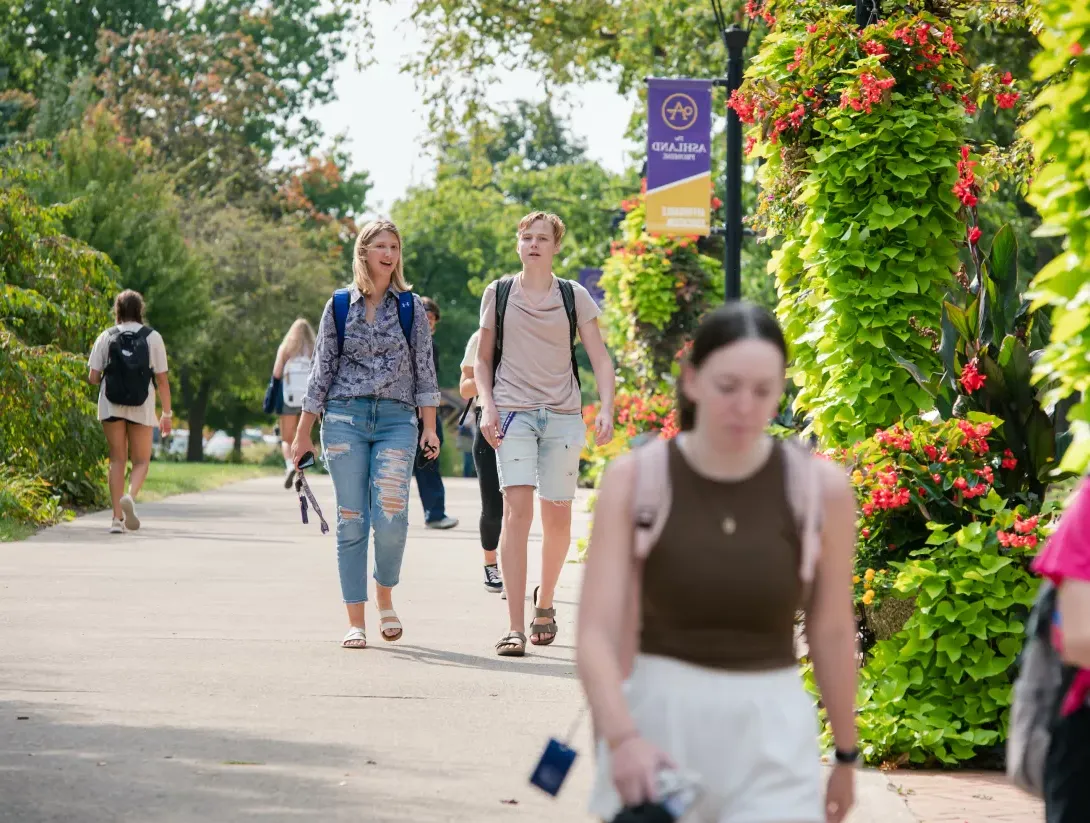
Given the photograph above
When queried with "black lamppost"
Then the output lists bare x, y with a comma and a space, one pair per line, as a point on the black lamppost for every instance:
735, 39
866, 12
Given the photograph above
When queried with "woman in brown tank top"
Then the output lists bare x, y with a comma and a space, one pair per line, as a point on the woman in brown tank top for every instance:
715, 691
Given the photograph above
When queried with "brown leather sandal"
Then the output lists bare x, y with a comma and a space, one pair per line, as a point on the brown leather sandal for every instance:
548, 630
512, 644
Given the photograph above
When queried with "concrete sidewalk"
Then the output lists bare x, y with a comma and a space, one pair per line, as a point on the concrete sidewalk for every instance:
191, 672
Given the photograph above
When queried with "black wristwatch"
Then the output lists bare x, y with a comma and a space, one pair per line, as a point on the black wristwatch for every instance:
847, 758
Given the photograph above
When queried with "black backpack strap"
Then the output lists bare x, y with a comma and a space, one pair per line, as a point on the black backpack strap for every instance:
144, 333
503, 293
567, 294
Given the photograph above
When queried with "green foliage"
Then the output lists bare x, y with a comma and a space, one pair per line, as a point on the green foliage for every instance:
261, 277
861, 164
55, 291
27, 499
1058, 131
124, 207
943, 543
988, 343
656, 290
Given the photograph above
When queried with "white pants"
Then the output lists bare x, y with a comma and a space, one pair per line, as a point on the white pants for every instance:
751, 737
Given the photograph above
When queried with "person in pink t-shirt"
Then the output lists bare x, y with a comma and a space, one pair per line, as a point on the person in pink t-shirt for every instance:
1065, 560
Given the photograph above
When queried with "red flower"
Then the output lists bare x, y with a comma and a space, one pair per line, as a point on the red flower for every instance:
1076, 49
1025, 526
970, 106
1006, 100
961, 483
865, 532
974, 235
931, 452
716, 202
751, 141
812, 28
937, 478
868, 509
872, 48
971, 379
1007, 79
1009, 461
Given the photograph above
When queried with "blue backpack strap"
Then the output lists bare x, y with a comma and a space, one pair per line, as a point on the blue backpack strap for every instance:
341, 300
406, 311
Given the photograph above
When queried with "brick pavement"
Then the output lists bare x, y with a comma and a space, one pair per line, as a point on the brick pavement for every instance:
965, 797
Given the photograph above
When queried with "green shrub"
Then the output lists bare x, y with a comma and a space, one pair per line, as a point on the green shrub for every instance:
27, 499
942, 587
54, 299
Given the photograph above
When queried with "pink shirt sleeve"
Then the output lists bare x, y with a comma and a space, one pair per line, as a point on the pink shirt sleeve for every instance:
1067, 552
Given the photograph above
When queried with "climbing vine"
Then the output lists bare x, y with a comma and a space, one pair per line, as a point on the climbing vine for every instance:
1058, 131
862, 130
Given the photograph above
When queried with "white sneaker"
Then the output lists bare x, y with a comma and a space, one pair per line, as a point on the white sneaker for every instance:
132, 522
116, 527
446, 523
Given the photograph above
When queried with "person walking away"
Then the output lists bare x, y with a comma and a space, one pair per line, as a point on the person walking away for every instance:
429, 479
292, 368
703, 576
372, 373
124, 362
488, 479
528, 383
1065, 561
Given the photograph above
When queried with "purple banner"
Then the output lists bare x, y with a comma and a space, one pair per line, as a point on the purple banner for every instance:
588, 279
679, 126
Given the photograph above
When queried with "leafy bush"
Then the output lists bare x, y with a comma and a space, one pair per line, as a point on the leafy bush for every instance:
635, 416
54, 299
27, 499
942, 587
656, 290
1062, 195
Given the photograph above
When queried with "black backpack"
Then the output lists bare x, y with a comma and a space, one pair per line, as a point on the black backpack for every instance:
567, 294
503, 292
128, 367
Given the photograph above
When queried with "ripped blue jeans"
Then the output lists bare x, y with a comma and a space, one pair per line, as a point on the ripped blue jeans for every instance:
369, 446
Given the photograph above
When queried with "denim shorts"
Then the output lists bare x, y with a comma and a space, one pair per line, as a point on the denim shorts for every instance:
541, 448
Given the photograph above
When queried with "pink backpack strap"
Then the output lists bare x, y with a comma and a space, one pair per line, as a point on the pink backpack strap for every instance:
804, 493
651, 505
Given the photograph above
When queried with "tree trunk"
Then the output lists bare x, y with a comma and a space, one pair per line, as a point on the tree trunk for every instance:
198, 408
237, 426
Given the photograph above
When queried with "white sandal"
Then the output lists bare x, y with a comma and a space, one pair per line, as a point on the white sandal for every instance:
387, 621
357, 637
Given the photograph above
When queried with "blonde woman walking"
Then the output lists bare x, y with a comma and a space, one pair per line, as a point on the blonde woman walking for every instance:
372, 375
292, 369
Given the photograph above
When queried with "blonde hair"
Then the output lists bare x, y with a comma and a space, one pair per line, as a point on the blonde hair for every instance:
552, 219
360, 275
298, 341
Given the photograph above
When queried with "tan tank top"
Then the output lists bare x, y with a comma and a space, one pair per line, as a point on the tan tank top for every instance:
721, 585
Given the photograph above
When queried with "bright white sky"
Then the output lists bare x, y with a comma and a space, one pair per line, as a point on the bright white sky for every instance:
392, 153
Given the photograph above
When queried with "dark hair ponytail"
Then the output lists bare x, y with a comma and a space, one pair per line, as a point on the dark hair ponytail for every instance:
724, 326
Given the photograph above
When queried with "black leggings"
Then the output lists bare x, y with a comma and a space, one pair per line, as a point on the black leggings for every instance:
1067, 770
488, 479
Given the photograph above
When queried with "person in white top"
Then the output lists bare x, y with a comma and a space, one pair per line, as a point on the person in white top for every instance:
123, 363
292, 368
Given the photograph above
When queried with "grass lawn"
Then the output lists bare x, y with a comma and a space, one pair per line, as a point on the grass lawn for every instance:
166, 479
10, 530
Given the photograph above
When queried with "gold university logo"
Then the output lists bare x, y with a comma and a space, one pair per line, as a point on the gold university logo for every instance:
679, 111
